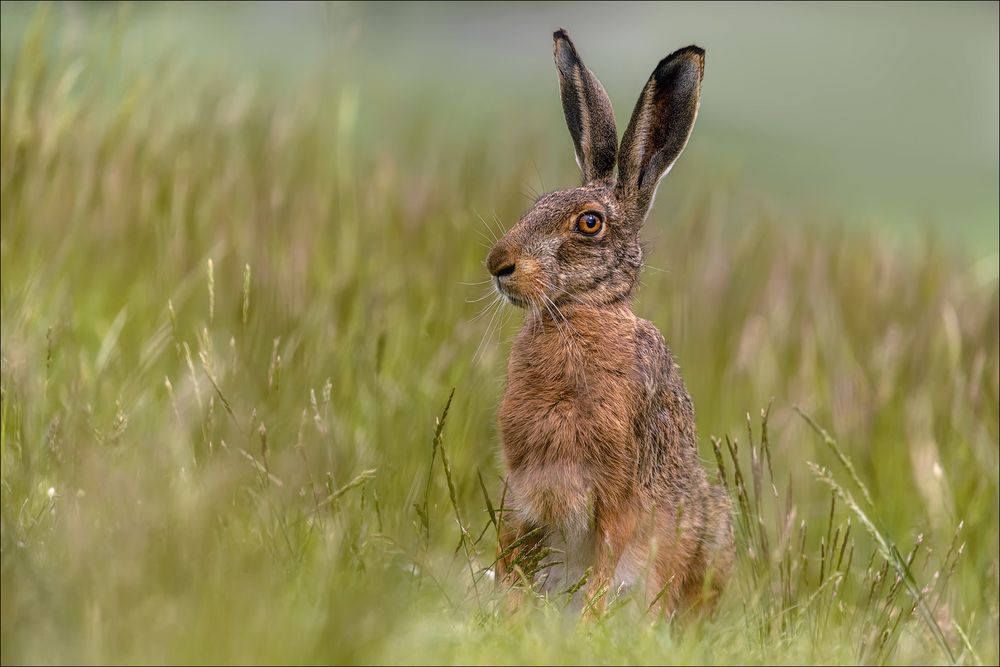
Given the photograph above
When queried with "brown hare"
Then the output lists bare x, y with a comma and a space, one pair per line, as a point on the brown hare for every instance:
598, 430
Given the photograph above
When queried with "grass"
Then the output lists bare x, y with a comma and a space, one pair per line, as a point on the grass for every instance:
248, 391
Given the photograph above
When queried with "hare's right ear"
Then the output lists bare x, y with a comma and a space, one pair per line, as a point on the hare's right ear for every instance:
661, 124
588, 113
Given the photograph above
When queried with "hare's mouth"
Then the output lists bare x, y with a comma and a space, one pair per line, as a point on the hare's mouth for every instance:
507, 293
517, 301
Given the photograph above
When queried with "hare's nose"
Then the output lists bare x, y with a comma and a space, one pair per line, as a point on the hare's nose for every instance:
505, 270
500, 262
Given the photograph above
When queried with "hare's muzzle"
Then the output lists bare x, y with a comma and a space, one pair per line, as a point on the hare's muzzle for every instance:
503, 266
500, 262
504, 271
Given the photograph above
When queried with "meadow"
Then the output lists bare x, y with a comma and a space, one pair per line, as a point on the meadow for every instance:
249, 383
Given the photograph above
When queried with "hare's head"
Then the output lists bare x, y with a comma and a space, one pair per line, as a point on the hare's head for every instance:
581, 245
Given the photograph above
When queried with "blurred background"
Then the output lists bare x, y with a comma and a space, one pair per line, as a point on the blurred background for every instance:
886, 114
251, 357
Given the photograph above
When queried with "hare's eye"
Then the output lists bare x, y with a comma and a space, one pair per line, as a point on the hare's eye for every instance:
589, 223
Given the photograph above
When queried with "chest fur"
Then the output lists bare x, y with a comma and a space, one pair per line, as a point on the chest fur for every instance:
566, 421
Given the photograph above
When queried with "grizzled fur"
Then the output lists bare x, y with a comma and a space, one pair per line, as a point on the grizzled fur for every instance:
598, 429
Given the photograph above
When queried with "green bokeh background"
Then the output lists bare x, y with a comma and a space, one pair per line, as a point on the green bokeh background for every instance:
884, 113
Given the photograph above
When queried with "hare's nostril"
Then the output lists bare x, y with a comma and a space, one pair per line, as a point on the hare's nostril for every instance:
504, 270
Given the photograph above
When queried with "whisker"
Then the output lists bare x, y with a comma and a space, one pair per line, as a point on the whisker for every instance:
490, 225
486, 334
655, 268
531, 195
487, 225
486, 308
569, 294
485, 296
566, 331
573, 343
530, 187
538, 173
489, 327
503, 230
552, 315
485, 237
538, 315
503, 324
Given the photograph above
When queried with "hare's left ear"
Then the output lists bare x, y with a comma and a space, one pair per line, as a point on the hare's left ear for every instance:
661, 124
588, 113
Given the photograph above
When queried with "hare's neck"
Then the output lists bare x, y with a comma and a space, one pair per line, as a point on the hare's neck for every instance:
572, 350
581, 325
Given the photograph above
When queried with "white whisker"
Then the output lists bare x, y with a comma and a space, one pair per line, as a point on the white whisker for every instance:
489, 241
485, 296
486, 308
570, 295
487, 225
489, 327
503, 230
566, 331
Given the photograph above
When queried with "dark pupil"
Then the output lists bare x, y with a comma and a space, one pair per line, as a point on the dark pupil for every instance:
590, 221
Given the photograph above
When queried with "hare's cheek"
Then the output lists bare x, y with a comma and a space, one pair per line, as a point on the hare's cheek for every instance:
567, 254
529, 278
581, 255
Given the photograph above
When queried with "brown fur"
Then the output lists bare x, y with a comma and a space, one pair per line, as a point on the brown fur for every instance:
598, 429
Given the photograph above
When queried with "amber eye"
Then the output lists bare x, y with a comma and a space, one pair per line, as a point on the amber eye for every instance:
589, 223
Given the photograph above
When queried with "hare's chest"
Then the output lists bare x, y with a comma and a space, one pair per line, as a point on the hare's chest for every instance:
552, 451
552, 416
559, 499
566, 424
546, 455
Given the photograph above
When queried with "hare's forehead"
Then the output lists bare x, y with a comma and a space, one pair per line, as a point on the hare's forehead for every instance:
560, 203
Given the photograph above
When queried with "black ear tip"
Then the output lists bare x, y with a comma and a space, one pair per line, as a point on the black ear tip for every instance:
697, 51
566, 56
683, 58
692, 51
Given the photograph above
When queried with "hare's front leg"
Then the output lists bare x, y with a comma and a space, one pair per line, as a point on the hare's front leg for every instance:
614, 528
516, 539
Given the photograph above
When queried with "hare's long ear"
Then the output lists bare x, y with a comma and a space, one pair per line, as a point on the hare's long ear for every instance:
588, 113
661, 124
